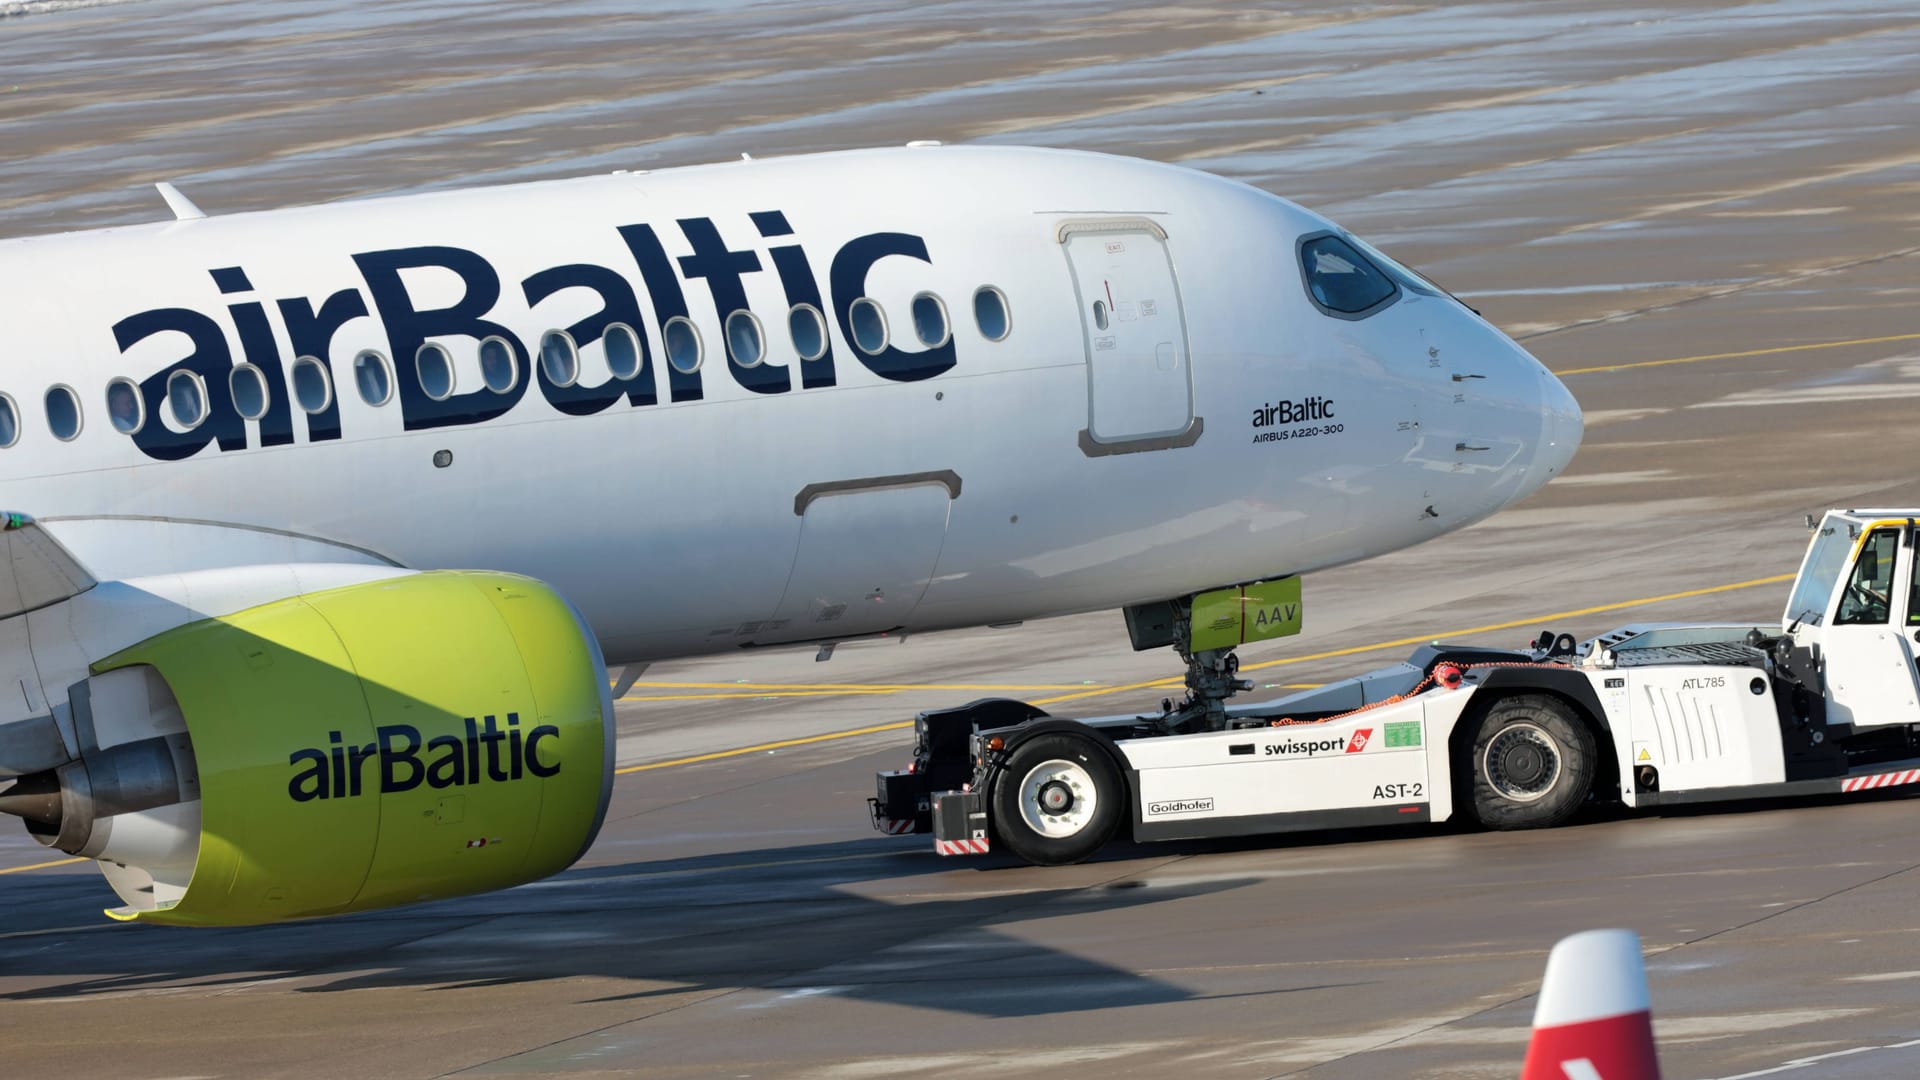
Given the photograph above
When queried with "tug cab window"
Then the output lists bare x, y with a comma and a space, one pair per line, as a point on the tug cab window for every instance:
1913, 596
1867, 599
1341, 281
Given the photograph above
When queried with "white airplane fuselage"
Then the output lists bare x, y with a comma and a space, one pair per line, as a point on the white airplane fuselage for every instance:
1208, 423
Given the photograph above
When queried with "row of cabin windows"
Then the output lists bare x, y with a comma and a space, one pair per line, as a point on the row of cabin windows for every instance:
559, 359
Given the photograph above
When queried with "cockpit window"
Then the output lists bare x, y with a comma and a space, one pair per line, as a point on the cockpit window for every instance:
1867, 599
1396, 269
1341, 280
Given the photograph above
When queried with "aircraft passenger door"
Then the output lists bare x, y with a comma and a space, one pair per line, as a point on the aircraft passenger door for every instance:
866, 555
1868, 657
1139, 379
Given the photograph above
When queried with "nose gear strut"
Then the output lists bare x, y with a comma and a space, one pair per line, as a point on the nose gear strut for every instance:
1213, 676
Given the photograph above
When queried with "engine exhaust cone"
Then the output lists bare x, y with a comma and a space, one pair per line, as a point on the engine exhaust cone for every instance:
35, 797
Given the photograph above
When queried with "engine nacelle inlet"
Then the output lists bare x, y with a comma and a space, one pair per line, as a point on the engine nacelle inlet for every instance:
399, 740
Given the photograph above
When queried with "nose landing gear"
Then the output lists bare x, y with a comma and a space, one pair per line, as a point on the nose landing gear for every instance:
1213, 674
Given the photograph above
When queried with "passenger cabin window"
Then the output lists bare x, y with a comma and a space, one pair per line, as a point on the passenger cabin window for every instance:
249, 387
990, 313
186, 399
808, 329
930, 321
434, 364
1867, 600
869, 325
623, 351
559, 358
312, 385
684, 350
9, 422
373, 378
744, 339
1341, 280
125, 411
498, 367
63, 413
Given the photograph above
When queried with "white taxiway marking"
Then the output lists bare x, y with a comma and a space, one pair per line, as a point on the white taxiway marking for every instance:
1884, 976
1805, 1062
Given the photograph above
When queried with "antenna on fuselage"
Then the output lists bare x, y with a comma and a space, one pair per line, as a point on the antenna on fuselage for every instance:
182, 207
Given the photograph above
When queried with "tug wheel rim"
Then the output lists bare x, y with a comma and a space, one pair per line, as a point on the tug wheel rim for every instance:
1058, 798
1521, 762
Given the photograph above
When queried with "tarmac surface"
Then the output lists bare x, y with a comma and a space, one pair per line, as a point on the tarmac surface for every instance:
1706, 216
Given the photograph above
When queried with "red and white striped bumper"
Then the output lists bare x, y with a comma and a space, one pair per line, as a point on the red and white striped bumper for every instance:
894, 826
961, 847
1880, 780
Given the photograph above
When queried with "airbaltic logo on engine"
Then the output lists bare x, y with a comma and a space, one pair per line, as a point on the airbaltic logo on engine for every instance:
1278, 421
486, 753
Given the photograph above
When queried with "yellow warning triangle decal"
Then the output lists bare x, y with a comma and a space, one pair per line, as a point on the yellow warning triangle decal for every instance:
1644, 756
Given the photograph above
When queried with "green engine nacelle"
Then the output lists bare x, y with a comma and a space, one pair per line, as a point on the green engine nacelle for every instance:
406, 739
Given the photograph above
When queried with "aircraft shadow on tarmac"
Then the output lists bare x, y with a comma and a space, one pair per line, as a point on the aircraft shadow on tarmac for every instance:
776, 920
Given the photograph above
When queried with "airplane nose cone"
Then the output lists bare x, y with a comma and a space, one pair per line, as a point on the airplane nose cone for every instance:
1561, 426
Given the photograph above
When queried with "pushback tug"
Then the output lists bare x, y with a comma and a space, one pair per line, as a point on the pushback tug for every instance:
1647, 715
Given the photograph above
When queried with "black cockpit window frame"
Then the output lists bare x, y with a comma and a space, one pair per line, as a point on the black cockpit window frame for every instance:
1306, 280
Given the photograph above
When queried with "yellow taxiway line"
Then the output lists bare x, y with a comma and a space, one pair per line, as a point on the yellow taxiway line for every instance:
1331, 654
845, 691
854, 686
1175, 681
1737, 355
41, 866
737, 690
781, 745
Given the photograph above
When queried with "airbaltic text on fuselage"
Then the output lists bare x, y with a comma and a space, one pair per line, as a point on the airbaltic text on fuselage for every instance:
486, 753
649, 281
1287, 411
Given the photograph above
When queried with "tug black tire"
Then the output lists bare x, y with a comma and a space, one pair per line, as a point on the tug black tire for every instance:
1532, 764
1057, 800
